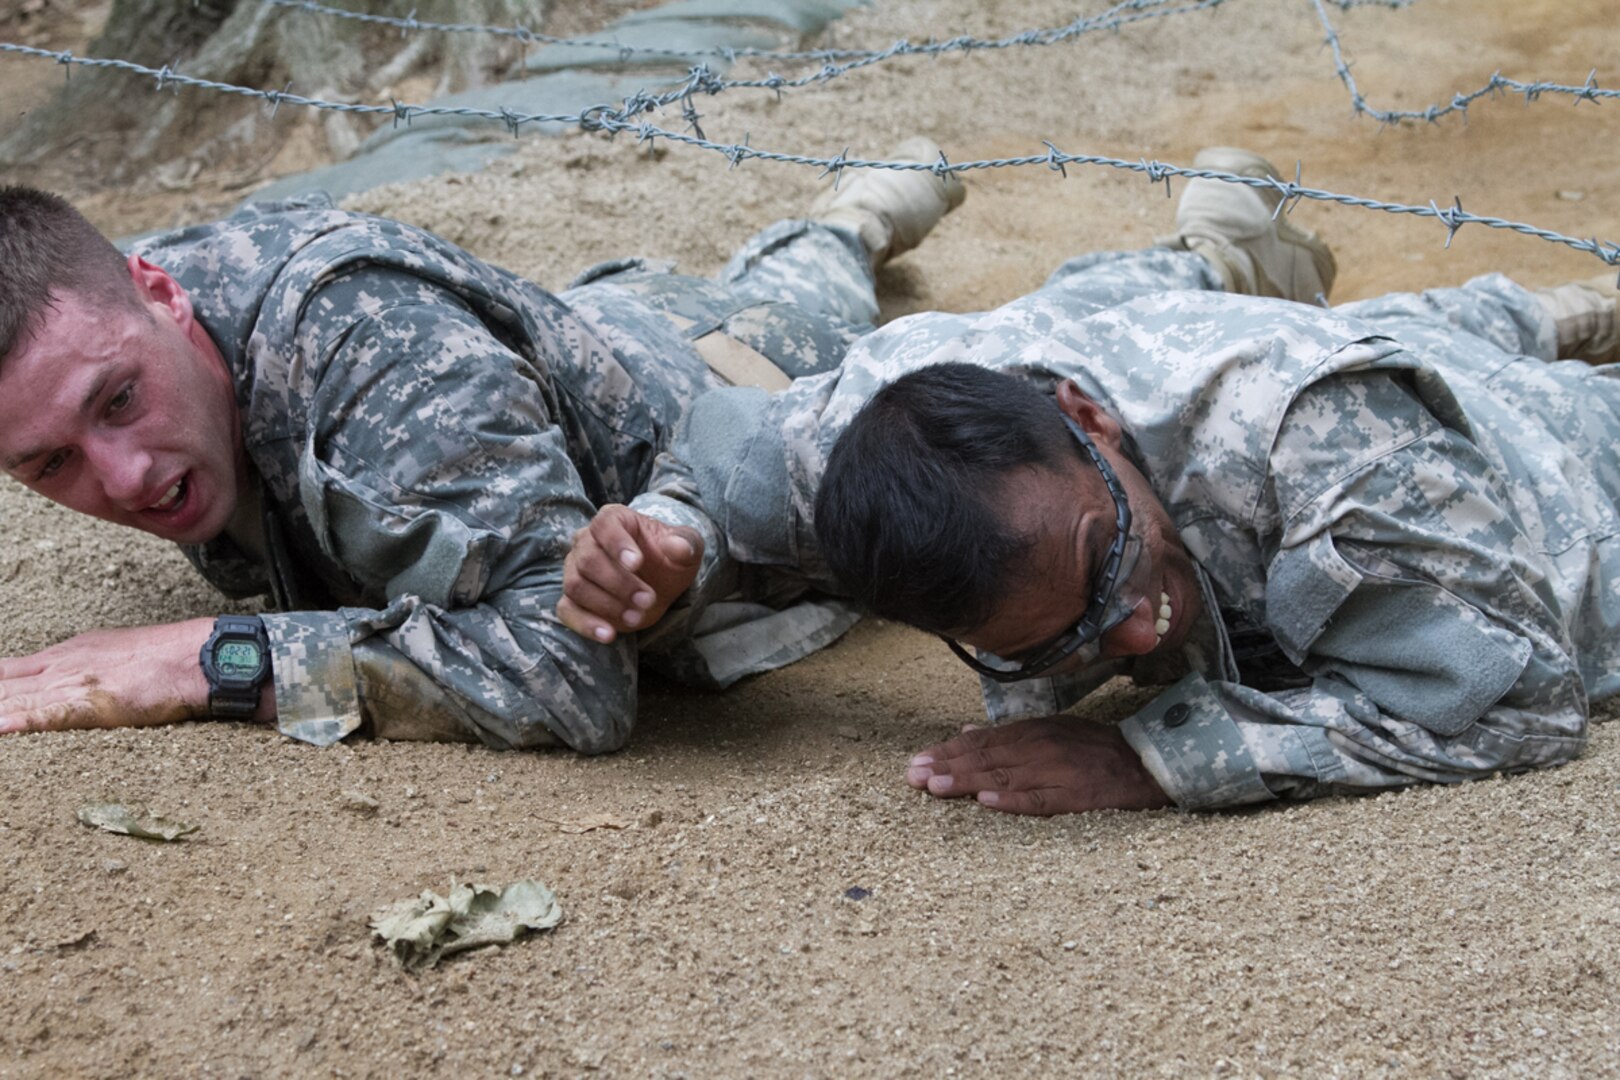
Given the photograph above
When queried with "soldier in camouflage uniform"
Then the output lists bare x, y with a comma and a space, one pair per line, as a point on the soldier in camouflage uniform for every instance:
396, 442
1361, 547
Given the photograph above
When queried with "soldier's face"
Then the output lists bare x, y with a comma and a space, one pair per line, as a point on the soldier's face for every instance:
125, 414
1070, 516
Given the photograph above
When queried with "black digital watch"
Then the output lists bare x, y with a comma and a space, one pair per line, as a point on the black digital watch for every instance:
236, 662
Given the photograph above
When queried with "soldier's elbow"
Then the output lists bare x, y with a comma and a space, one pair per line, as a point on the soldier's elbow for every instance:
598, 722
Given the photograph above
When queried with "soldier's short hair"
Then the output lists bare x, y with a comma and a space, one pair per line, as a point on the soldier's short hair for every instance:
47, 247
906, 514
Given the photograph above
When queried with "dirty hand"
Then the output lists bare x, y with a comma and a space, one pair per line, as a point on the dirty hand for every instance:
131, 677
1048, 765
624, 571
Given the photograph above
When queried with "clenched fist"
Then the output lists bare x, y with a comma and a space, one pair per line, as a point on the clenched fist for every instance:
624, 571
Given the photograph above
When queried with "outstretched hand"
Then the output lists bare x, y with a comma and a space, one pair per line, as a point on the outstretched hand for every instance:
624, 571
130, 677
1049, 765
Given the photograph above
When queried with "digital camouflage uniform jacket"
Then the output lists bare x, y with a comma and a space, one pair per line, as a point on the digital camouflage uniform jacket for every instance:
426, 432
1404, 525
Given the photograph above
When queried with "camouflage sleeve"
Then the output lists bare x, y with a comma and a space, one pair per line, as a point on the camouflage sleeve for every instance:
1492, 307
1410, 594
743, 471
434, 475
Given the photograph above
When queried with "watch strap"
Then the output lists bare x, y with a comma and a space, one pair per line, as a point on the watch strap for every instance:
233, 704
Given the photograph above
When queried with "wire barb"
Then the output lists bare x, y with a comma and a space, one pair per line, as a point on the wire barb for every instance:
1452, 217
1055, 159
836, 167
274, 97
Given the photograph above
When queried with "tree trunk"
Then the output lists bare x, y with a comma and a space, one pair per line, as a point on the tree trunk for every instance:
119, 127
95, 103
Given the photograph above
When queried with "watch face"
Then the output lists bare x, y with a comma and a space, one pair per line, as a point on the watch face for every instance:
238, 659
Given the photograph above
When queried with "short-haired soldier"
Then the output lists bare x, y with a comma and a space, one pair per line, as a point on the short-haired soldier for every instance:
1360, 547
397, 442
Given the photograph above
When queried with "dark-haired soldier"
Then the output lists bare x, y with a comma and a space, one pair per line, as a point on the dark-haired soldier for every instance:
397, 441
1361, 547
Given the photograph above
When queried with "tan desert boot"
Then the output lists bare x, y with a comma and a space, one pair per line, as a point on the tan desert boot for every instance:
1584, 313
1231, 226
892, 210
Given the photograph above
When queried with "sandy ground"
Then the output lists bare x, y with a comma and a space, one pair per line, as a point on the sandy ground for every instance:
1436, 932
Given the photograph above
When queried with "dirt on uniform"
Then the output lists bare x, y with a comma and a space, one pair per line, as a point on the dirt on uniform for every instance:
751, 889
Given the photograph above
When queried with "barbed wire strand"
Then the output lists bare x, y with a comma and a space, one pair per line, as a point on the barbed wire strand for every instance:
1113, 18
1110, 19
1588, 91
1453, 217
624, 120
902, 47
1120, 15
700, 78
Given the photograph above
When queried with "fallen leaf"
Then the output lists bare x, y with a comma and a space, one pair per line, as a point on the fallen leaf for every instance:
423, 931
132, 821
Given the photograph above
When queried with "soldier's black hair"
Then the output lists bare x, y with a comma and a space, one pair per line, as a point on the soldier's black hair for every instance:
907, 514
47, 247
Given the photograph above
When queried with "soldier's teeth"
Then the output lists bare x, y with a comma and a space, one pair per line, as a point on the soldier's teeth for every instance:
169, 497
1161, 626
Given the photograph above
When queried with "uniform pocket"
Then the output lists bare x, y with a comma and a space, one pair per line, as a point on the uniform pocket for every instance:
1418, 651
401, 550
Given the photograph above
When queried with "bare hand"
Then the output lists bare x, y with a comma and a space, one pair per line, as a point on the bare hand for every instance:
624, 571
131, 677
1050, 765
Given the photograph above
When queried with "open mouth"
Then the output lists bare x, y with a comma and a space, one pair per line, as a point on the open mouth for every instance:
176, 510
172, 499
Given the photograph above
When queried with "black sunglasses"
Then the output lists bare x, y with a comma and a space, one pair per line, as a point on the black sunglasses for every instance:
1100, 616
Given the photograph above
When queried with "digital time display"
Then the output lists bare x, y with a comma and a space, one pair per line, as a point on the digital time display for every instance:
238, 659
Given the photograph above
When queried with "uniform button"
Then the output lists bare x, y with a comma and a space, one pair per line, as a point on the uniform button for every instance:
1177, 714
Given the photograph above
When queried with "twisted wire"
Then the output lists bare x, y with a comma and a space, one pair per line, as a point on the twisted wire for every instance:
629, 117
1587, 91
1119, 15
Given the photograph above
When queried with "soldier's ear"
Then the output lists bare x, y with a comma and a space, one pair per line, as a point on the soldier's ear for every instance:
154, 285
1093, 419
